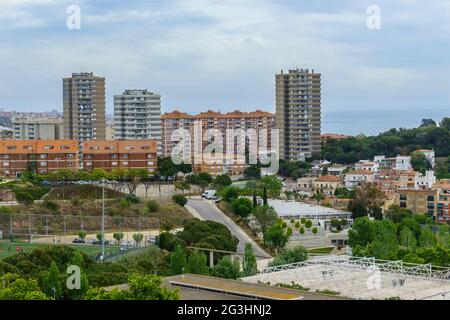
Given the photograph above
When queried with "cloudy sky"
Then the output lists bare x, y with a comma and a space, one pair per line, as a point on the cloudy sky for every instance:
223, 54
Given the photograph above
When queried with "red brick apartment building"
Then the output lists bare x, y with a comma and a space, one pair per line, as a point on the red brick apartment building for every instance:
262, 122
41, 156
120, 154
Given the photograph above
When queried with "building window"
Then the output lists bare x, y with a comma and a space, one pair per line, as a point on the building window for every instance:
402, 204
430, 198
125, 156
43, 164
403, 197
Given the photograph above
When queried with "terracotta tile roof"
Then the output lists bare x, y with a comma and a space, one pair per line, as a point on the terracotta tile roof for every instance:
57, 146
119, 146
329, 178
361, 172
38, 146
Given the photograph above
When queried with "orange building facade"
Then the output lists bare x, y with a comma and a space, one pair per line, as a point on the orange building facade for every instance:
120, 154
40, 156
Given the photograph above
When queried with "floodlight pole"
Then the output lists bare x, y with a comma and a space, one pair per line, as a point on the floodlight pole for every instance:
103, 219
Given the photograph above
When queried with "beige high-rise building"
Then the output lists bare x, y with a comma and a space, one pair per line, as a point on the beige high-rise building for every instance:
84, 107
37, 128
298, 113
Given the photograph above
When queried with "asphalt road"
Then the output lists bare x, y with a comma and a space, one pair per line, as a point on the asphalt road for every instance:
208, 211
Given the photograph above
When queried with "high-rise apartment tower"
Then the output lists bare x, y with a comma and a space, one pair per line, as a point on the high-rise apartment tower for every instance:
84, 107
298, 113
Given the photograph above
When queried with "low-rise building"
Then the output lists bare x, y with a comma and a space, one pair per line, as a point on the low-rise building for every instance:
425, 181
305, 184
367, 165
40, 156
120, 154
403, 163
327, 184
442, 213
358, 177
418, 201
336, 170
37, 128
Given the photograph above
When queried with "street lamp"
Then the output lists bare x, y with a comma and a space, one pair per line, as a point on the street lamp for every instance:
103, 217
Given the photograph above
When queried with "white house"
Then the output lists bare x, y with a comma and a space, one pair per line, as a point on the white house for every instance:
425, 181
336, 170
358, 177
367, 165
403, 163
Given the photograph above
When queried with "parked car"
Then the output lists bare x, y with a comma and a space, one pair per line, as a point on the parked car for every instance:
78, 240
128, 243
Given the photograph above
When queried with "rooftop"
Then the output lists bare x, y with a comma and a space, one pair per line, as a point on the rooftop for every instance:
214, 114
329, 178
286, 208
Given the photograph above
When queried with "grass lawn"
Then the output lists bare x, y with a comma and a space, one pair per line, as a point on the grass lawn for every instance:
9, 248
320, 251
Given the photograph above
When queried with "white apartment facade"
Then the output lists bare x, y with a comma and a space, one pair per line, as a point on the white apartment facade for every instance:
37, 128
137, 116
358, 177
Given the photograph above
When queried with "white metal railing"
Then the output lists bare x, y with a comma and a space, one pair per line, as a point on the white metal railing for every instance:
426, 271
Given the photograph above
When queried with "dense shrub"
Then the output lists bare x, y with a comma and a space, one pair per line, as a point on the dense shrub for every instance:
152, 206
180, 199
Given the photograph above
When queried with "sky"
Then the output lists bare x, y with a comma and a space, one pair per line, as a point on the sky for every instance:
224, 54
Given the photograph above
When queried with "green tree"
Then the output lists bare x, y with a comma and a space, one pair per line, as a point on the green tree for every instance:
420, 162
385, 242
287, 256
301, 230
77, 293
276, 237
180, 199
241, 206
16, 288
265, 217
221, 181
229, 193
252, 172
314, 230
249, 266
427, 238
138, 237
362, 232
318, 196
52, 282
141, 287
178, 261
152, 206
226, 269
197, 263
118, 236
443, 237
308, 224
82, 234
407, 239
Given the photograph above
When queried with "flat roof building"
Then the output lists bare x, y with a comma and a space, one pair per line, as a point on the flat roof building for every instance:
37, 128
